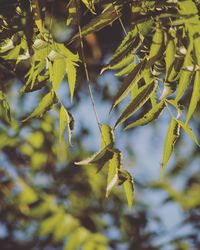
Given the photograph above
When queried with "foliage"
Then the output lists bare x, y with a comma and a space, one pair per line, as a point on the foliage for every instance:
158, 64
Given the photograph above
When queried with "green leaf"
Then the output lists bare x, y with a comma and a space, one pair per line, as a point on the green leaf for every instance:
188, 130
173, 133
5, 108
114, 165
71, 75
184, 81
197, 49
144, 93
156, 48
57, 72
107, 136
170, 53
66, 120
128, 84
195, 96
127, 180
99, 22
125, 52
174, 70
126, 70
45, 104
100, 158
149, 116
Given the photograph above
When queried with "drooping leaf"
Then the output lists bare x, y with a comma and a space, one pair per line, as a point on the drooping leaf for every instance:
71, 75
125, 52
115, 165
197, 49
174, 70
45, 104
149, 116
66, 120
107, 136
130, 80
170, 53
172, 135
127, 180
4, 108
126, 70
195, 96
56, 72
144, 93
99, 22
156, 48
189, 131
100, 158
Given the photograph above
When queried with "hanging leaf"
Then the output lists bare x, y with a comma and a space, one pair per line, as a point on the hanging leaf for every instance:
66, 120
156, 48
197, 48
100, 158
126, 70
56, 72
195, 96
124, 54
174, 70
149, 116
173, 133
128, 84
44, 105
144, 93
5, 108
188, 130
107, 136
185, 73
170, 54
99, 22
115, 164
71, 75
126, 179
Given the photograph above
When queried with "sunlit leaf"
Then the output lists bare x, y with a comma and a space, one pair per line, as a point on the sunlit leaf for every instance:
44, 105
130, 80
189, 131
195, 96
149, 116
115, 165
144, 93
127, 181
107, 136
172, 135
66, 121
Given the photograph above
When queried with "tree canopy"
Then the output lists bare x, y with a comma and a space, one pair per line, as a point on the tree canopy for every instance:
137, 62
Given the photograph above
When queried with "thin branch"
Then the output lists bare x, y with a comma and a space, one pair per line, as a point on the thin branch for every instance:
86, 72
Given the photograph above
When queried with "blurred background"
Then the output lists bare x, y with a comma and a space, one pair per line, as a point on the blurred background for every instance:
47, 202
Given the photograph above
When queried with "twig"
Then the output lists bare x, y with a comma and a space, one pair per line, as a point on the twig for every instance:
86, 72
